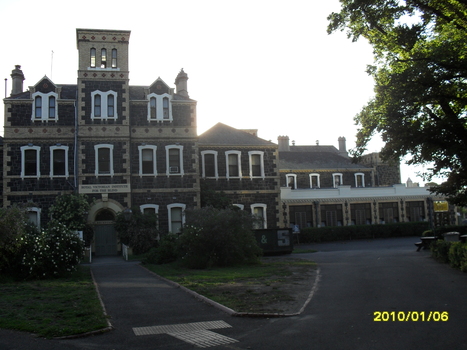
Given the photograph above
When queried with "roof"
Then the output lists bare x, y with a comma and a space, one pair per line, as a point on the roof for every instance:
315, 157
221, 134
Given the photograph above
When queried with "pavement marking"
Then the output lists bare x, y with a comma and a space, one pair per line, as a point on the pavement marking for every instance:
196, 333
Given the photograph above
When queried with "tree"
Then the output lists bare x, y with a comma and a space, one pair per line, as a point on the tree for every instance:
71, 210
420, 72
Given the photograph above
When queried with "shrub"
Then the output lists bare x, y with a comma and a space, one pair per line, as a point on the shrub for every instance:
218, 237
71, 210
54, 252
165, 252
456, 254
440, 250
13, 227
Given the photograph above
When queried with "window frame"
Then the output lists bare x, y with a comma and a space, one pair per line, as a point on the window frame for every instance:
92, 56
169, 209
104, 105
203, 161
318, 181
114, 58
261, 163
52, 149
334, 176
239, 160
294, 176
160, 109
37, 211
111, 160
180, 160
154, 158
356, 175
23, 161
45, 107
264, 208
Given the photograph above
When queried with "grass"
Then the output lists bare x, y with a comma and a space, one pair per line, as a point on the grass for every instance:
52, 308
251, 288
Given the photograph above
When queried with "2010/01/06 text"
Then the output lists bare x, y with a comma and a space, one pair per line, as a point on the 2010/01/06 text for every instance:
406, 316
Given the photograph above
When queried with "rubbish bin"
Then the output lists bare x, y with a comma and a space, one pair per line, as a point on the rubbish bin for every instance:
451, 236
275, 241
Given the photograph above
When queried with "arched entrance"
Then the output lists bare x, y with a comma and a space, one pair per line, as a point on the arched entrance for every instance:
102, 217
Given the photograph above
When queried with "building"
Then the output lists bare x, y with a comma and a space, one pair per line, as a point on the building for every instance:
137, 147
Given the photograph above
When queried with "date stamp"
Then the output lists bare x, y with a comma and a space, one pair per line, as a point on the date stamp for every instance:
410, 316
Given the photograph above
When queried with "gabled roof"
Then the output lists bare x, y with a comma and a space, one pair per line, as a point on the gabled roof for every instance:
221, 134
315, 157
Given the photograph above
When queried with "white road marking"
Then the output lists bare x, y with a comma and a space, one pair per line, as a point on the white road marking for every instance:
196, 333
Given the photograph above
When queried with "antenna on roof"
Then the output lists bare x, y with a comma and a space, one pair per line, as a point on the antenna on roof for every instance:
51, 64
5, 86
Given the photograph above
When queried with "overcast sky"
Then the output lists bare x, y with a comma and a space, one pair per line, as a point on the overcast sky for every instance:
256, 64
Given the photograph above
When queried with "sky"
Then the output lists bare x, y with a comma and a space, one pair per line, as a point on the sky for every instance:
256, 64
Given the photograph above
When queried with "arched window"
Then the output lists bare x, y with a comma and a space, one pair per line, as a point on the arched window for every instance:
93, 58
110, 106
103, 58
38, 107
159, 107
51, 107
44, 106
166, 107
153, 108
97, 106
114, 58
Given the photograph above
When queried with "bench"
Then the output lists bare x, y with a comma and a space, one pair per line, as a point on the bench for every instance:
426, 242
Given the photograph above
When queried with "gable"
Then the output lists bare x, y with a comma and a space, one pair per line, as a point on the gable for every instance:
45, 86
159, 87
223, 135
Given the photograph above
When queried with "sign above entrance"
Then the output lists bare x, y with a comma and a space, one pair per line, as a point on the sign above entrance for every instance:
440, 206
110, 188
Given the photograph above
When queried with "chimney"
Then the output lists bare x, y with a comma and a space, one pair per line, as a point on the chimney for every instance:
283, 142
181, 84
17, 77
342, 147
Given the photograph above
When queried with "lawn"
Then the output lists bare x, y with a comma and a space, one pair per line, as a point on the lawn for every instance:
52, 308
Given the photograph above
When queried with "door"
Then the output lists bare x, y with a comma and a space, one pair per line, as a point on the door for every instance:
106, 240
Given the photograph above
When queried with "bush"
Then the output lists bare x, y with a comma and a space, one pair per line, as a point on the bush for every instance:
166, 251
13, 227
440, 250
218, 237
54, 252
456, 254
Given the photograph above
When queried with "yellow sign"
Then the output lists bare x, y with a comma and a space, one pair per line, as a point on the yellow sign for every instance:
440, 206
110, 188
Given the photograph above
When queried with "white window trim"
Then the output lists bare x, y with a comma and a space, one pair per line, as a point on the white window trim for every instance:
23, 161
239, 157
160, 107
216, 172
38, 214
104, 104
341, 182
150, 206
294, 180
96, 153
260, 205
44, 107
363, 179
169, 209
140, 151
52, 149
261, 154
181, 170
311, 180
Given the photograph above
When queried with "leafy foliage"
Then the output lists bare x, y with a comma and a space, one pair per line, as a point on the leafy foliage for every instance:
140, 232
13, 227
212, 198
71, 210
218, 237
165, 252
420, 71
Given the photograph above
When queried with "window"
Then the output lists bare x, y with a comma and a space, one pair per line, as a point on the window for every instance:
34, 216
93, 58
103, 58
114, 58
151, 209
239, 206
176, 217
147, 160
259, 211
359, 180
160, 107
174, 156
337, 180
291, 181
104, 159
209, 163
314, 181
103, 105
256, 163
44, 106
388, 212
331, 215
30, 161
234, 167
59, 161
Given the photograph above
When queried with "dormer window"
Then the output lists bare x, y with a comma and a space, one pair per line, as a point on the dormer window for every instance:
291, 181
314, 181
337, 180
359, 180
160, 107
44, 106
